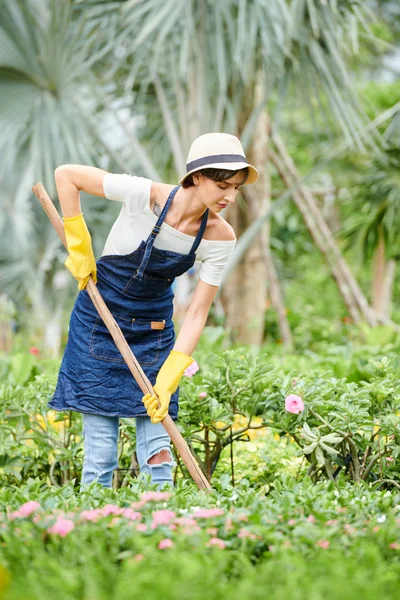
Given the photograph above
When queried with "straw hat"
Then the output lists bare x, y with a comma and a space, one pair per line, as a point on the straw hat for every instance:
218, 151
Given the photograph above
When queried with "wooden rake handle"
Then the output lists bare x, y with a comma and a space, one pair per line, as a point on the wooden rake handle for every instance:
123, 347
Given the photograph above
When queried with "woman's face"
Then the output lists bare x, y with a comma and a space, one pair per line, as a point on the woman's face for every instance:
216, 195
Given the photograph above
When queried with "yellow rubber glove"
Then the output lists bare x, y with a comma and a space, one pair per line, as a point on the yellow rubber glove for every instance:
167, 382
80, 262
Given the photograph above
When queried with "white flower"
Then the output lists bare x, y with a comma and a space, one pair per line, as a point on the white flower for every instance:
381, 519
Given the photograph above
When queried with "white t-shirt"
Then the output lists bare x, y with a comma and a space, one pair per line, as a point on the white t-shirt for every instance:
136, 220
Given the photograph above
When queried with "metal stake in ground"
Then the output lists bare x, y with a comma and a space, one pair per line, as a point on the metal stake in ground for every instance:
123, 346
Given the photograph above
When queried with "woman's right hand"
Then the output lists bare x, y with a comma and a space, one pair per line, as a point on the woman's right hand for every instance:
81, 261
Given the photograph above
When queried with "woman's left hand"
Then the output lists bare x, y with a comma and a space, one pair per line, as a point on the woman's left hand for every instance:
166, 384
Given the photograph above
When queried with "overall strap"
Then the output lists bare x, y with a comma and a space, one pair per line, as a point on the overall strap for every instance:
200, 233
156, 229
154, 233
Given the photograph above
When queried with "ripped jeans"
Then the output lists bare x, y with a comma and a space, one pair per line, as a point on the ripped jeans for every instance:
101, 449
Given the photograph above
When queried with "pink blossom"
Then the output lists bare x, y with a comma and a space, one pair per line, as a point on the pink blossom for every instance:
217, 542
192, 369
155, 496
394, 546
244, 533
203, 395
62, 527
186, 521
137, 505
323, 544
292, 522
141, 527
207, 513
162, 517
34, 350
376, 529
190, 530
130, 514
212, 531
332, 522
138, 557
110, 509
242, 517
167, 543
94, 515
389, 458
294, 404
311, 519
25, 510
349, 528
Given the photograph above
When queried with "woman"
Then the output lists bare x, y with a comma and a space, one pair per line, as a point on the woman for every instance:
159, 233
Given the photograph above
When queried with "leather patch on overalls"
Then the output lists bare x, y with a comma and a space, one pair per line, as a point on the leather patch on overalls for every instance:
157, 324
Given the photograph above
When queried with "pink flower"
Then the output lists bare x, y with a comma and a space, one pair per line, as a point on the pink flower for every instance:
394, 546
186, 521
217, 542
203, 395
25, 510
323, 544
34, 350
332, 522
164, 544
110, 509
291, 522
138, 557
93, 515
192, 369
62, 527
155, 496
311, 519
162, 517
137, 505
244, 533
294, 404
141, 527
207, 513
212, 531
130, 514
389, 458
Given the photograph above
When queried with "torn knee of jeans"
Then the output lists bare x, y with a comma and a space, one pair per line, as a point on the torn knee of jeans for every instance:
160, 458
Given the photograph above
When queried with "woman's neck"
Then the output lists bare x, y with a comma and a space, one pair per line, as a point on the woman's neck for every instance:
186, 208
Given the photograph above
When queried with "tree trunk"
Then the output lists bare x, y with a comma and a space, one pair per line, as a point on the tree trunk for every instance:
350, 290
53, 333
383, 278
245, 293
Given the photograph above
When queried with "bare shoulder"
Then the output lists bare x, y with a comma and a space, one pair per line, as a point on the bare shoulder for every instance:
159, 192
219, 229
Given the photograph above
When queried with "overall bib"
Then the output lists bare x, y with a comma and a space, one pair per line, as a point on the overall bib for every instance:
93, 377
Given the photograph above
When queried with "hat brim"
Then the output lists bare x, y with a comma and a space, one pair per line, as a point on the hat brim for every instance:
234, 166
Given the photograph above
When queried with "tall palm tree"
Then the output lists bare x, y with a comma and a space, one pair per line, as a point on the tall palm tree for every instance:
374, 221
46, 98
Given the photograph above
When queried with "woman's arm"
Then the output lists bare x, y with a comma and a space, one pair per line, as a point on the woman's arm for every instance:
195, 318
71, 179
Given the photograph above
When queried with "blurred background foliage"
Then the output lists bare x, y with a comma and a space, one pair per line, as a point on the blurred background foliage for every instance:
127, 85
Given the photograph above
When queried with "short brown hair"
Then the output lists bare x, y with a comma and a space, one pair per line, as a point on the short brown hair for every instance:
215, 175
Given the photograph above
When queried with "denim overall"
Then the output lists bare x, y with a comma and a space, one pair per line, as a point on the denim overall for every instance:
136, 287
